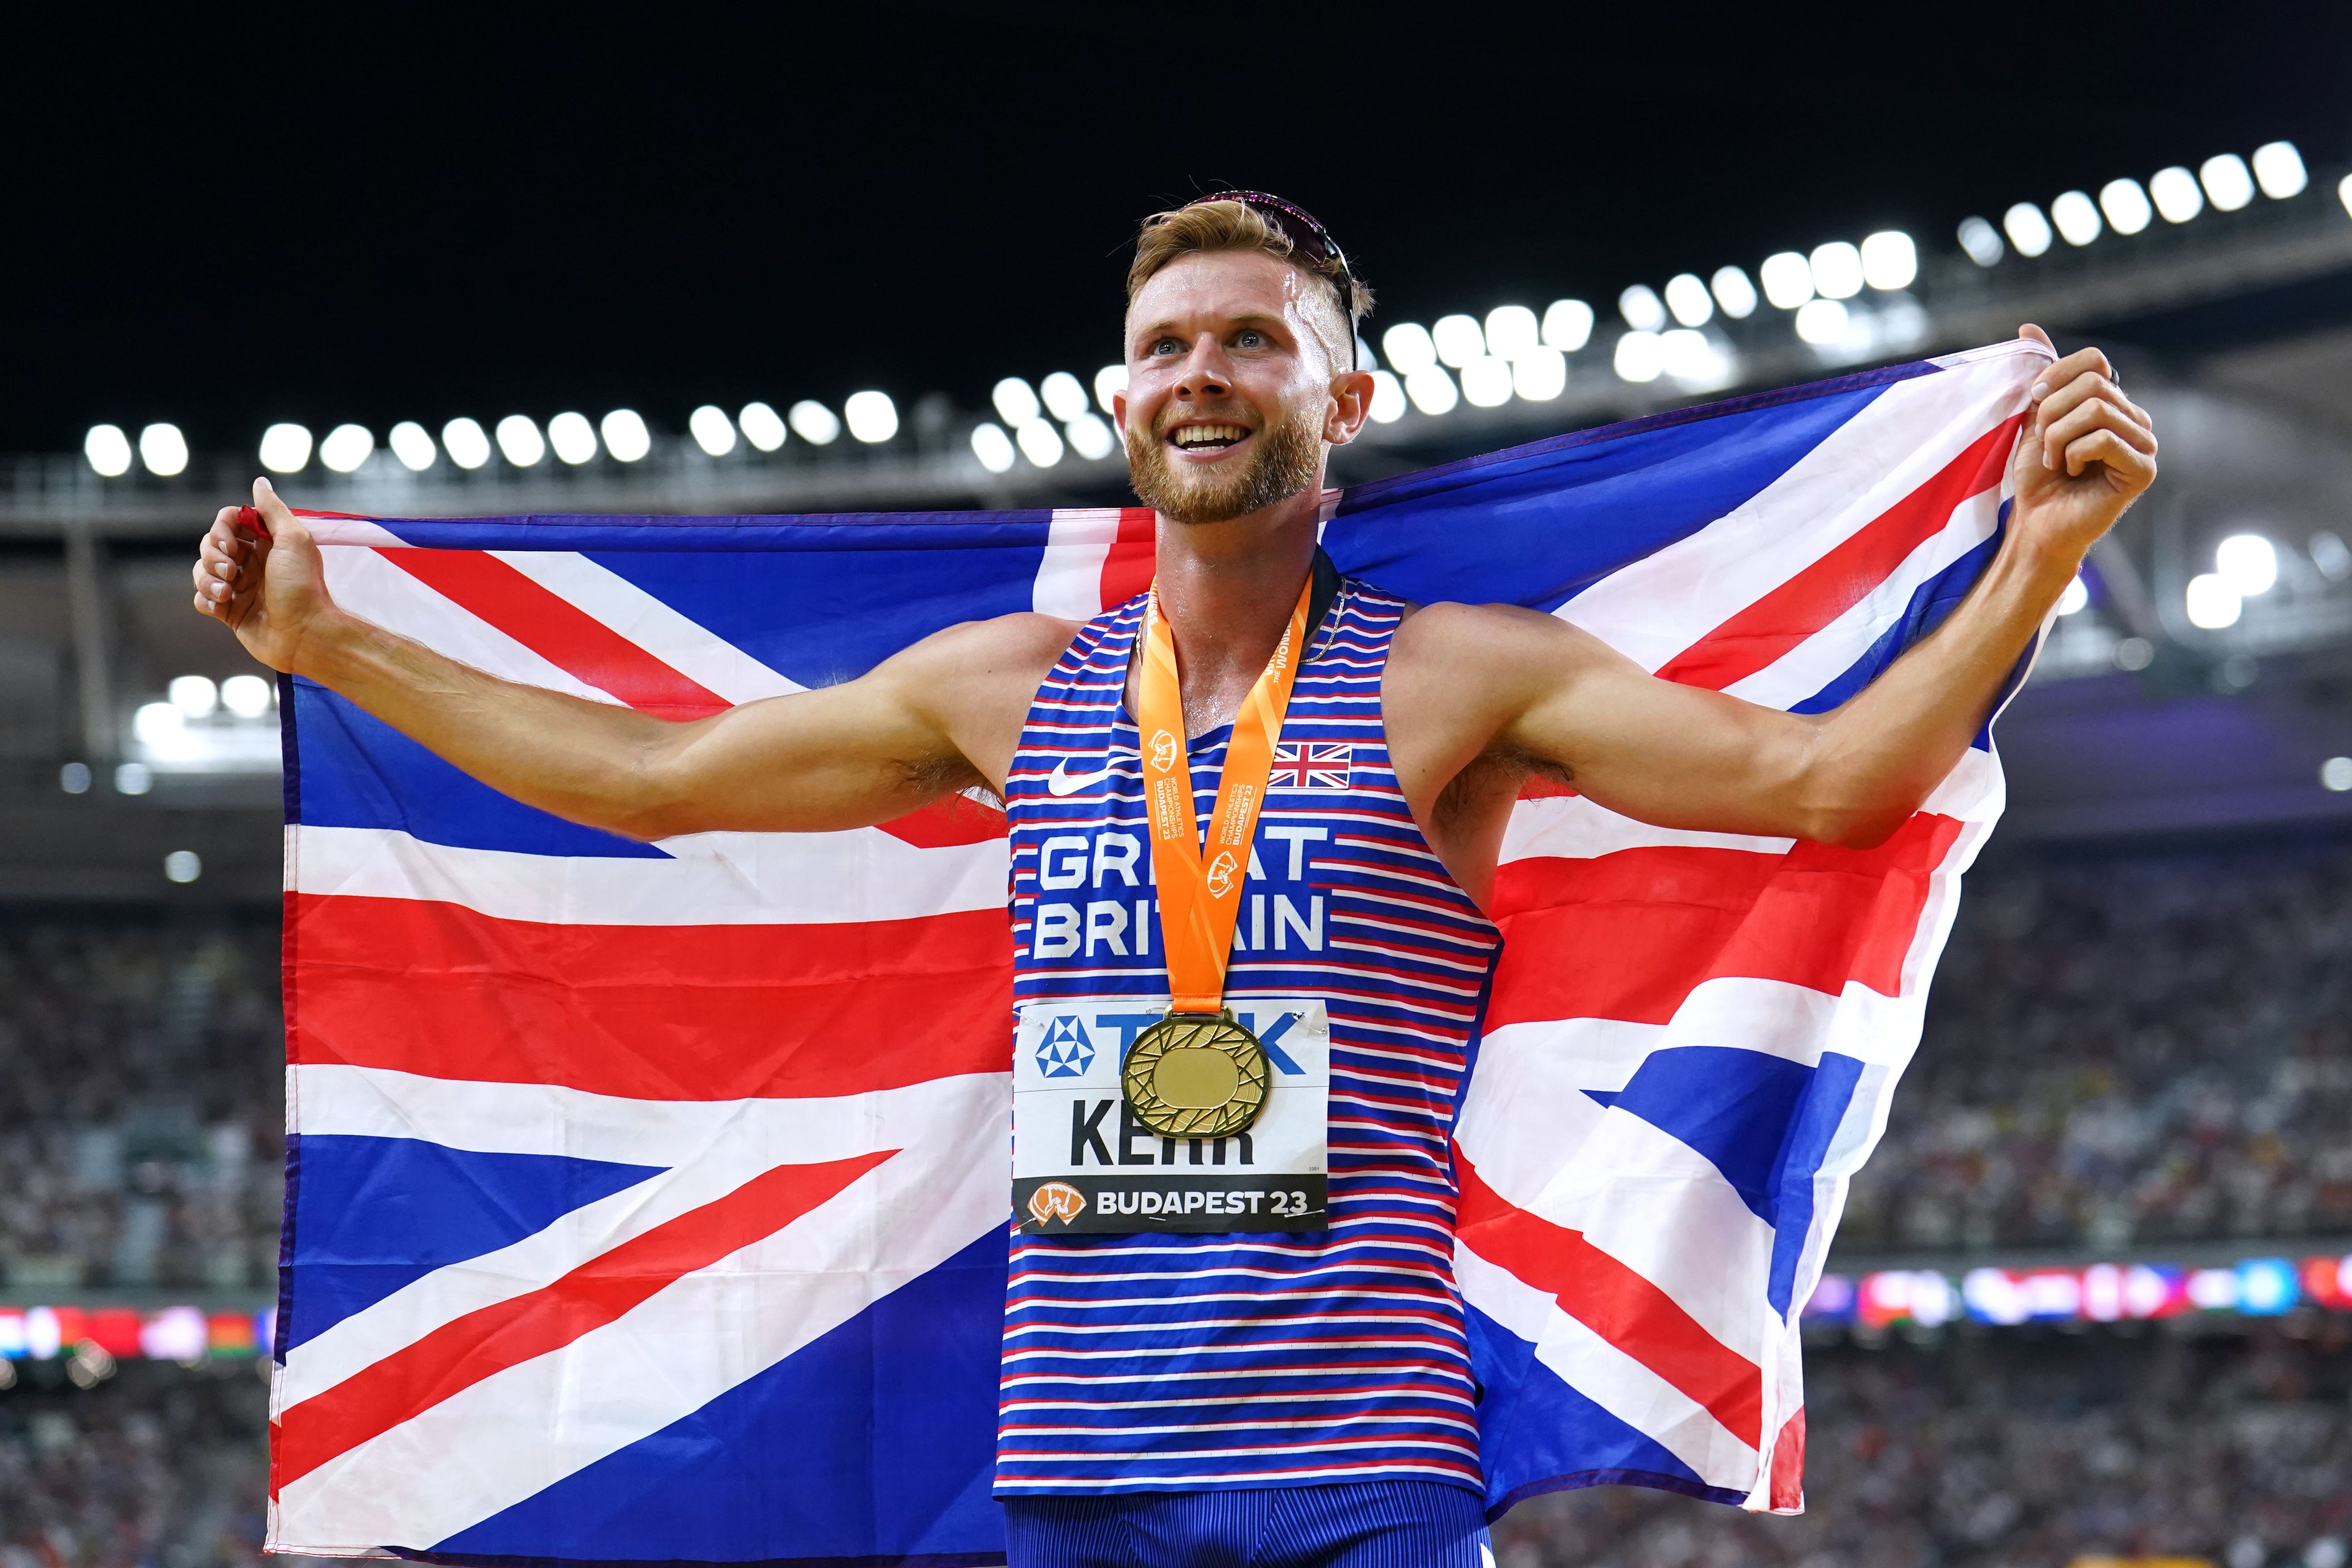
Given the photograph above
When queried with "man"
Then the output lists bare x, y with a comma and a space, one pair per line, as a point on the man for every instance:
1272, 1368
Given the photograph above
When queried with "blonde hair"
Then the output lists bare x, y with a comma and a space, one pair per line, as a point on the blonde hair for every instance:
1236, 226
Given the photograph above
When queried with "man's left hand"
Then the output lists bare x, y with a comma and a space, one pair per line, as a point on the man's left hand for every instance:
2088, 452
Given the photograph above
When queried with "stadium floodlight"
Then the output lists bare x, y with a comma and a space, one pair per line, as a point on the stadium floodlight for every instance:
1512, 330
1889, 259
708, 425
247, 696
761, 426
1822, 323
1089, 437
1687, 298
2248, 563
1063, 395
1459, 340
2228, 183
872, 417
2331, 555
193, 695
2175, 194
1788, 280
1016, 401
626, 435
812, 422
1431, 389
1639, 357
1734, 292
992, 445
1539, 375
2278, 169
108, 450
466, 443
1388, 398
2211, 602
519, 438
182, 866
133, 778
2028, 229
2126, 205
1981, 240
1408, 347
2344, 193
1837, 270
2078, 217
1365, 358
1641, 309
285, 449
164, 450
74, 778
1689, 358
1567, 326
1486, 381
411, 446
2074, 598
346, 447
1110, 382
1040, 443
158, 723
574, 438
2336, 774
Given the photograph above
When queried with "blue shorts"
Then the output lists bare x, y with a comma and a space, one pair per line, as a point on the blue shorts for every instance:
1358, 1524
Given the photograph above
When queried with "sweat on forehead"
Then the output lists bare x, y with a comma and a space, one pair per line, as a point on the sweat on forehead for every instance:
1200, 288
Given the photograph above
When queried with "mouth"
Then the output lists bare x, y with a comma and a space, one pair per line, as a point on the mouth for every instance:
1207, 437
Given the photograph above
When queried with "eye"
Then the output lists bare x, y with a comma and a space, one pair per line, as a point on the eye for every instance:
1167, 346
1249, 338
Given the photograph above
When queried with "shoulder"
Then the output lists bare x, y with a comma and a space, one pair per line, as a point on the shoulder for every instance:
1025, 644
1475, 636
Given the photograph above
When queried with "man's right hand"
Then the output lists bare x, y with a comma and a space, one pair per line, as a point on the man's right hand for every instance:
271, 590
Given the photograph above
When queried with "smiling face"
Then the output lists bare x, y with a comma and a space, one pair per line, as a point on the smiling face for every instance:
1232, 386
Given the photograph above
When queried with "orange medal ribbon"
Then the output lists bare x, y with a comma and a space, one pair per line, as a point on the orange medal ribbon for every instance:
1201, 888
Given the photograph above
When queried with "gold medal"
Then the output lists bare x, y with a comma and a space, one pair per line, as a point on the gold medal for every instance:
1195, 1075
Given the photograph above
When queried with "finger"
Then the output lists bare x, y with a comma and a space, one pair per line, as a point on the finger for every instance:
275, 517
206, 605
2082, 361
2135, 470
2065, 399
2094, 414
2035, 334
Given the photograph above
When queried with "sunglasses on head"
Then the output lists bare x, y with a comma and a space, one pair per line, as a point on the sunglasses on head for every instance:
1309, 240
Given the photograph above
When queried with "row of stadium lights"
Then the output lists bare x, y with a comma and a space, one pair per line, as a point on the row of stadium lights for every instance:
2225, 182
1511, 354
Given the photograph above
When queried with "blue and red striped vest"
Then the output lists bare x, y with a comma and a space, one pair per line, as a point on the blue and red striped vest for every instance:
1161, 1361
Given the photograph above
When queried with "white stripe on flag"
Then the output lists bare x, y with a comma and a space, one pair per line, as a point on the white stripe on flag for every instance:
1575, 827
373, 588
700, 655
712, 878
1069, 578
1653, 609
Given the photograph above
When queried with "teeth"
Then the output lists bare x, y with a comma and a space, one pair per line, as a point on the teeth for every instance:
1206, 435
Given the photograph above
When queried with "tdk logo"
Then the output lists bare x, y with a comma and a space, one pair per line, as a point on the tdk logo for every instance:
1066, 1051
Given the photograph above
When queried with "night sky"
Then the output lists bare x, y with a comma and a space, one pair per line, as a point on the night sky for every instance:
417, 215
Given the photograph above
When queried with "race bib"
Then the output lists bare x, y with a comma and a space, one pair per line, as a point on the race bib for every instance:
1081, 1160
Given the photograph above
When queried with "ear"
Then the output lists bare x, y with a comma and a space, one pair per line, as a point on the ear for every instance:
1351, 404
1119, 412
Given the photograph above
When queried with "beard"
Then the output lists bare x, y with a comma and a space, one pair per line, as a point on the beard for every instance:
1288, 458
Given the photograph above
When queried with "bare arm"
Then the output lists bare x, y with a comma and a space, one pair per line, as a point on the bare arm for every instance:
1679, 756
935, 718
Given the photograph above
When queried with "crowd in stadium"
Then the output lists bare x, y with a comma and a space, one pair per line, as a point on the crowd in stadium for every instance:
2129, 1048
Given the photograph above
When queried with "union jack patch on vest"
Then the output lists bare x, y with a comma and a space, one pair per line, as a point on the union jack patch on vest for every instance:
1303, 765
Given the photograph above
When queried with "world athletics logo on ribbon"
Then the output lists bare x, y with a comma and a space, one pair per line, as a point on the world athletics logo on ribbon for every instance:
1066, 1050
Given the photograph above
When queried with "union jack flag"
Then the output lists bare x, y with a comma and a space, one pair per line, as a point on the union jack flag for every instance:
648, 1201
1306, 765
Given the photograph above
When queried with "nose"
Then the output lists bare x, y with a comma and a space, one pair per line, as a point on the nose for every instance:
1205, 372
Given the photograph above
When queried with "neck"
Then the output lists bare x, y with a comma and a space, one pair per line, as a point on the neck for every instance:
1228, 589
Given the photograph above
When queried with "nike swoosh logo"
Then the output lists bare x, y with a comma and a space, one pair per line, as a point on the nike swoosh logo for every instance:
1061, 783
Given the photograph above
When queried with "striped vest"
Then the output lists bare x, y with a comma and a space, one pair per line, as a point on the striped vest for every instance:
1159, 1361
